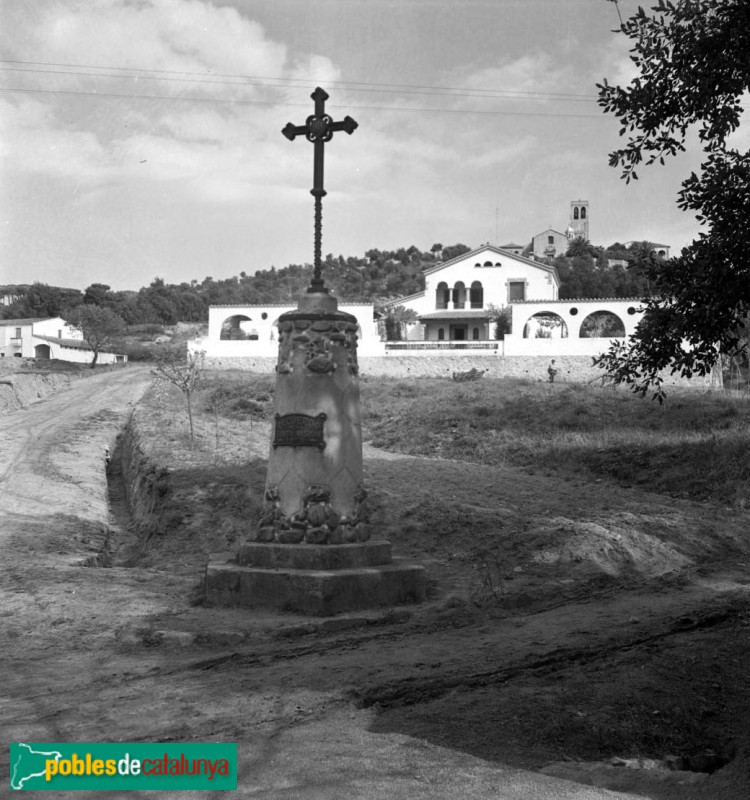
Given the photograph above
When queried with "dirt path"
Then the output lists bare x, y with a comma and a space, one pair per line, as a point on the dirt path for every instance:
371, 705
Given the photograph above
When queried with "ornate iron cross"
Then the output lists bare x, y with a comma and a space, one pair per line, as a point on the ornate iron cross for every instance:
318, 129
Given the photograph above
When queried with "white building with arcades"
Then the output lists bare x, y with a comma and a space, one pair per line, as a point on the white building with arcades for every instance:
462, 297
455, 315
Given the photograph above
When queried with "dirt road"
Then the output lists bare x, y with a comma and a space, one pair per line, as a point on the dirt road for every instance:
374, 705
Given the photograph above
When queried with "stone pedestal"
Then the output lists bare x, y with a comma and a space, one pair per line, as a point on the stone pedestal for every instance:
314, 490
312, 553
311, 579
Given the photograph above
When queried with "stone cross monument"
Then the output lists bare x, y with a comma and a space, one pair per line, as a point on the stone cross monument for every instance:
314, 488
318, 129
312, 550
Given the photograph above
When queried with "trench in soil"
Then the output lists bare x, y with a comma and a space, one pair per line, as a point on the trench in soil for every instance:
121, 537
122, 548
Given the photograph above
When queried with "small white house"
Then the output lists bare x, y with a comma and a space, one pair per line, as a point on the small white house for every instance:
48, 338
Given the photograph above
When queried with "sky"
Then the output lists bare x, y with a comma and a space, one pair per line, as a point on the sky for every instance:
142, 138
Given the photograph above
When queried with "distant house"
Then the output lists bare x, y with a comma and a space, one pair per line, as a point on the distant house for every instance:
549, 243
512, 247
661, 250
9, 295
48, 338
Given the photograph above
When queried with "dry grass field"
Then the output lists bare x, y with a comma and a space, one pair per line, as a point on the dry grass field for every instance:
588, 613
534, 505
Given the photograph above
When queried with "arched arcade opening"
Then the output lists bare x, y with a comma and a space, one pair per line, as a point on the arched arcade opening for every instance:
545, 325
238, 327
602, 325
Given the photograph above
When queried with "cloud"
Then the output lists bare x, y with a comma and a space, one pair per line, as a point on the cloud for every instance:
316, 68
217, 150
32, 142
172, 35
531, 74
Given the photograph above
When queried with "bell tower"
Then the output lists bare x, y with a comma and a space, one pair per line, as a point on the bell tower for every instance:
579, 219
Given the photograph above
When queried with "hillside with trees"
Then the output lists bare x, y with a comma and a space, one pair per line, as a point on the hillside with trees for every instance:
377, 277
587, 271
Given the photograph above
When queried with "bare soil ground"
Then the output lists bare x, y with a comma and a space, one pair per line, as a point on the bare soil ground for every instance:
569, 623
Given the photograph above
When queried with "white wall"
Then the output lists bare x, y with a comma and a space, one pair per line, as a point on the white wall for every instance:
55, 326
9, 344
77, 355
572, 313
263, 320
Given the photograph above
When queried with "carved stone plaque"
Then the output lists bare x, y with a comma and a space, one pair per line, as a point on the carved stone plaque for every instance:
299, 430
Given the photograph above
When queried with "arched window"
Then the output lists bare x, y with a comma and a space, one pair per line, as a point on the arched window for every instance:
234, 328
441, 334
459, 295
602, 325
476, 295
545, 325
550, 240
575, 213
475, 334
583, 212
442, 295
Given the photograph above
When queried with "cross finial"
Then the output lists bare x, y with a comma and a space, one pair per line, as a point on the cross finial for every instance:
318, 129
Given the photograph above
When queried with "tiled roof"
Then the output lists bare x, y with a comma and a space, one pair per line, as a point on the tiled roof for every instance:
291, 303
653, 244
27, 321
494, 249
401, 300
549, 230
584, 300
458, 313
76, 344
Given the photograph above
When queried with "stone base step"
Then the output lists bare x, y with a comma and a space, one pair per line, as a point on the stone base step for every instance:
319, 592
271, 555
